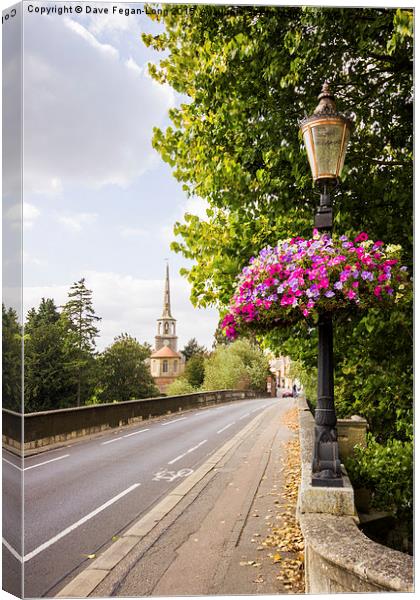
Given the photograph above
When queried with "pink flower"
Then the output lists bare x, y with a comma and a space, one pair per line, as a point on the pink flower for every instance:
377, 291
351, 295
362, 237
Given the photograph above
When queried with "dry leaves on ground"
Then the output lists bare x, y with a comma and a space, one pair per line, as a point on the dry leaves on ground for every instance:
286, 539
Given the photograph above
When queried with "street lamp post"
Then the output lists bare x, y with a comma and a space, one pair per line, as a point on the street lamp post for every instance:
326, 134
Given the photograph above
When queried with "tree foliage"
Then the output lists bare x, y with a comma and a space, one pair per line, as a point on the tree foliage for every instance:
180, 386
194, 370
250, 74
123, 372
12, 360
241, 365
191, 348
50, 360
82, 320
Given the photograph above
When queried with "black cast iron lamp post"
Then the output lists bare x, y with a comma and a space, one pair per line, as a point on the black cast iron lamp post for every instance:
326, 134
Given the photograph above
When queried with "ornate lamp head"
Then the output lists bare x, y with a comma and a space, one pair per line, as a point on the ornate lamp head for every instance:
326, 134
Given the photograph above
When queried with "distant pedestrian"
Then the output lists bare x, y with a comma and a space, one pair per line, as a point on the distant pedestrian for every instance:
294, 390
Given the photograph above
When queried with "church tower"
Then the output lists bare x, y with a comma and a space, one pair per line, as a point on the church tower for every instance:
166, 363
166, 325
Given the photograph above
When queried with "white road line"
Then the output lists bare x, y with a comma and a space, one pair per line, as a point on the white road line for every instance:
197, 446
135, 432
46, 462
174, 460
13, 464
12, 550
226, 427
71, 528
244, 416
111, 441
175, 421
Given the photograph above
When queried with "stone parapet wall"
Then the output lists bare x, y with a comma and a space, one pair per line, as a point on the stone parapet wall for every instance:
54, 426
338, 556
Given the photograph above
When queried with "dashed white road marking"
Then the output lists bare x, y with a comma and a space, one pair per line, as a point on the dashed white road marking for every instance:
174, 460
174, 421
111, 441
244, 416
226, 427
12, 550
46, 462
13, 464
135, 432
71, 528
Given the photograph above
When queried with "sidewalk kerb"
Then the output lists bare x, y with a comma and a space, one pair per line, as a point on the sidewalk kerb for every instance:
87, 580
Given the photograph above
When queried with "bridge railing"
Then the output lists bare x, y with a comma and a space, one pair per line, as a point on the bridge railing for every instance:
29, 432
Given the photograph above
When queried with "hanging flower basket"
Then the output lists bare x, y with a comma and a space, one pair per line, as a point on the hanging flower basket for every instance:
299, 279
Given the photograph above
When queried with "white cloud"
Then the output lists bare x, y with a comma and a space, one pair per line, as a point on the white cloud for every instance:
131, 64
132, 305
26, 211
114, 22
90, 38
89, 113
76, 221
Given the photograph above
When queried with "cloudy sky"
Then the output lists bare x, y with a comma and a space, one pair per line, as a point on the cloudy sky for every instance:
99, 202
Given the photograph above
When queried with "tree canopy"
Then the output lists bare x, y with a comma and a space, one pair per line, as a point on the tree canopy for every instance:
250, 73
123, 372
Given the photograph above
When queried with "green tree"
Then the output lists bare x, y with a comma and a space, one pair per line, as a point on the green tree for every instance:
250, 75
123, 372
82, 321
12, 360
51, 372
180, 386
191, 348
241, 365
194, 370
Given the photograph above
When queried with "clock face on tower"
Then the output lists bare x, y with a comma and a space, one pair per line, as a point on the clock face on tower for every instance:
166, 342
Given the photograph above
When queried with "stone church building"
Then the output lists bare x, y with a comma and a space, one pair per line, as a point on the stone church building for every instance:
166, 363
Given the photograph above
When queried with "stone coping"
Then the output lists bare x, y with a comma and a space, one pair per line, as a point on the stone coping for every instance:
339, 541
343, 558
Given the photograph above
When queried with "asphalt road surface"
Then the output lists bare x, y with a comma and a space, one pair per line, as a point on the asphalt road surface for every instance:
78, 497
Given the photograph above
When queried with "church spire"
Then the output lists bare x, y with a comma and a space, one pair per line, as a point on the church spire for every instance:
166, 314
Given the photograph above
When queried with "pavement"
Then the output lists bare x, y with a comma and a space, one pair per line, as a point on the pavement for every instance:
206, 537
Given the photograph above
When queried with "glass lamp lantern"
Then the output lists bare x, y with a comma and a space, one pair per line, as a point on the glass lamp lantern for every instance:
326, 134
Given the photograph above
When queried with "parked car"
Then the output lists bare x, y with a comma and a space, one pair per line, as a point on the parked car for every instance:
286, 394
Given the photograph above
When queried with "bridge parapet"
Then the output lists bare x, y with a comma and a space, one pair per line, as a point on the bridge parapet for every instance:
33, 431
338, 556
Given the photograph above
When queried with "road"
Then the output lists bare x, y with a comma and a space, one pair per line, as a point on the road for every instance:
80, 496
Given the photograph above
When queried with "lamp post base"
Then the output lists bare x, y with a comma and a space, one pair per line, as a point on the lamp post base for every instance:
326, 478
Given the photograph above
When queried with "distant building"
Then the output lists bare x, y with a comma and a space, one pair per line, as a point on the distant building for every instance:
280, 367
166, 363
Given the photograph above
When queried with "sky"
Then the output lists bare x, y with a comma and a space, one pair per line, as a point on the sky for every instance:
98, 200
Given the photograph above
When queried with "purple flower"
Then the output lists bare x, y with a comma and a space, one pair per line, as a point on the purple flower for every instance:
338, 285
329, 294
